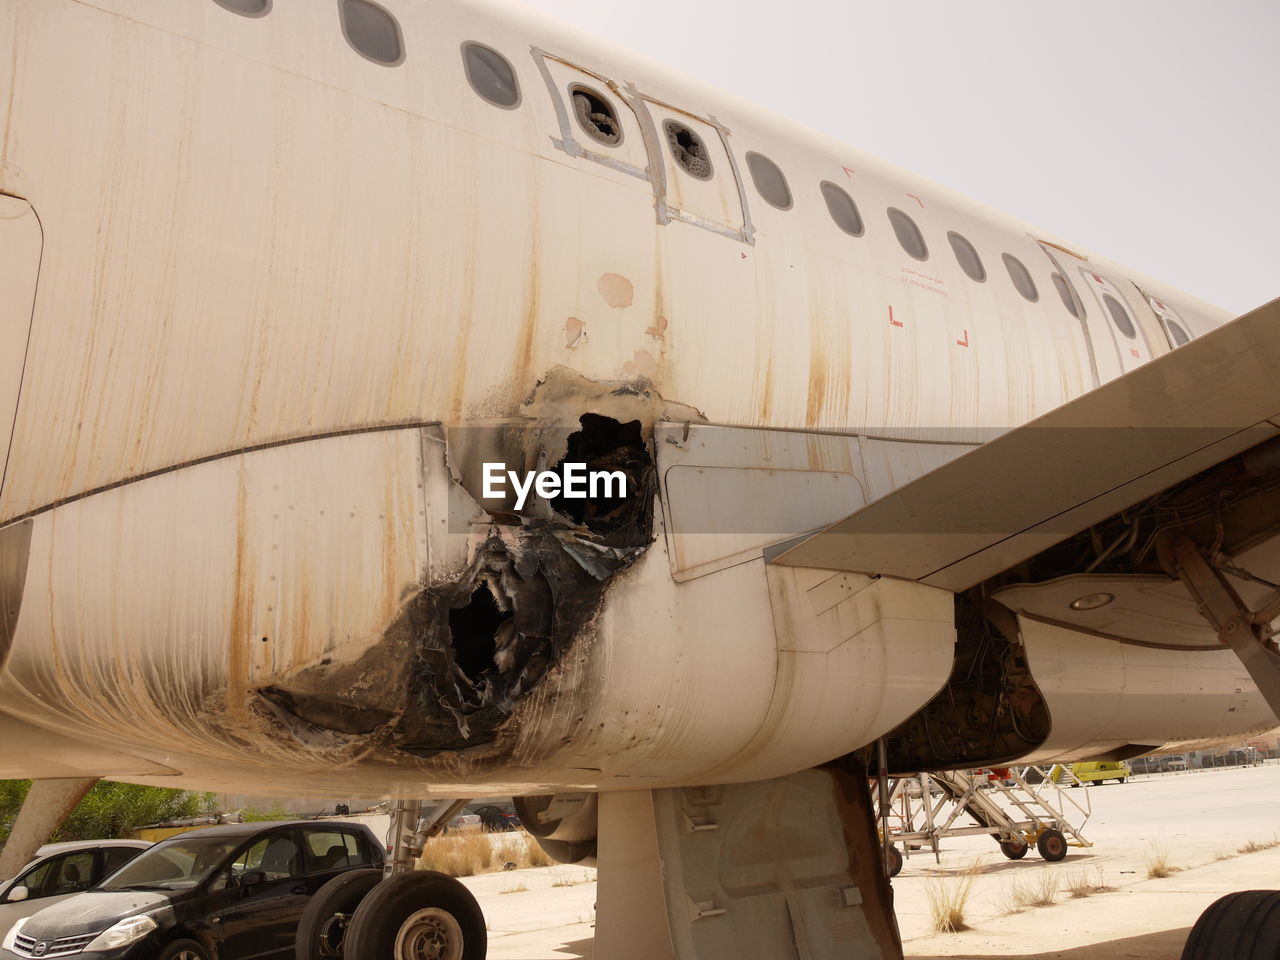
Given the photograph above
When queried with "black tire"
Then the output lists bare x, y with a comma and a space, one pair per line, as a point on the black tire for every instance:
1014, 849
1239, 926
893, 861
184, 950
1052, 845
1120, 780
323, 927
424, 906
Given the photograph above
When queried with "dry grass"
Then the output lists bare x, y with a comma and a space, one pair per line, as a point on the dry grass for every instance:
1253, 846
514, 888
1158, 865
948, 899
465, 853
563, 879
1038, 892
1081, 885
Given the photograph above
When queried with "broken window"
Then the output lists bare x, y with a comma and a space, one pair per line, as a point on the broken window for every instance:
770, 181
908, 234
689, 151
372, 31
842, 209
491, 75
967, 257
246, 8
596, 116
1021, 278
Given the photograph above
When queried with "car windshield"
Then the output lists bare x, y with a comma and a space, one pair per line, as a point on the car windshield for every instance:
173, 864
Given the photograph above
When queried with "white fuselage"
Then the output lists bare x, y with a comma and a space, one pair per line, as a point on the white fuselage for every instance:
274, 284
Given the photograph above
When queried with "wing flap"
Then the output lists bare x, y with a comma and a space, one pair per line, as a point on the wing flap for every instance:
1034, 486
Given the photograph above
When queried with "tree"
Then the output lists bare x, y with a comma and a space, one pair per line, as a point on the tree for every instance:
109, 810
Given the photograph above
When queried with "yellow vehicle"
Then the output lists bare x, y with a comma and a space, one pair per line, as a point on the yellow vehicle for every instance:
1087, 773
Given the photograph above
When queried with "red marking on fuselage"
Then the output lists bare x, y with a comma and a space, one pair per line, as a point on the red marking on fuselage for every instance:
916, 199
896, 323
847, 171
965, 341
1136, 355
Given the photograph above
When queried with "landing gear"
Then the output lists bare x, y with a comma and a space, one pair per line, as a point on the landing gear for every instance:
1013, 849
1052, 845
1239, 926
323, 926
417, 916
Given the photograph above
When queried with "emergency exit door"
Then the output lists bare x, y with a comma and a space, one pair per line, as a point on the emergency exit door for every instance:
20, 244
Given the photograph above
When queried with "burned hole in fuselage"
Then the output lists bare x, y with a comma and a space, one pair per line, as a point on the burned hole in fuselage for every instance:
474, 630
620, 475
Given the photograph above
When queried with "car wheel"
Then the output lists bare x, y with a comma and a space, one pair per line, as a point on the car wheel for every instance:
324, 922
184, 950
421, 915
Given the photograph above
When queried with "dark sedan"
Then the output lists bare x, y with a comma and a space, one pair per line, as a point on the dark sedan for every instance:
232, 892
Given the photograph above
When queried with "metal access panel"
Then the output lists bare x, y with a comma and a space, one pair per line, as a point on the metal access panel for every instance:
20, 244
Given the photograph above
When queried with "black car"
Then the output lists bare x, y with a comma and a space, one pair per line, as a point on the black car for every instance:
231, 892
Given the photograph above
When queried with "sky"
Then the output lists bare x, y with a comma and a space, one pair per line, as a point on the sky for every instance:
1146, 131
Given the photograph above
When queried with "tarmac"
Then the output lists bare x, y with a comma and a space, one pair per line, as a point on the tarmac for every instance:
1199, 820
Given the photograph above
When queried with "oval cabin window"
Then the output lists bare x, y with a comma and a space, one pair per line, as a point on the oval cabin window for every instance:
688, 150
1179, 335
842, 209
1119, 316
908, 234
372, 31
491, 75
770, 181
596, 116
1021, 278
1068, 296
967, 257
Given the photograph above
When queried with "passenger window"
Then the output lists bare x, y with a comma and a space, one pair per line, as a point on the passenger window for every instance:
596, 116
491, 75
331, 849
908, 234
770, 181
113, 858
1068, 296
967, 257
842, 209
688, 150
277, 857
1021, 278
1179, 335
372, 31
1120, 316
246, 8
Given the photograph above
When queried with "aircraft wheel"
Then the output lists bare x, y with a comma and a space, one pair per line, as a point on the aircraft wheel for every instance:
1239, 926
893, 861
1052, 845
328, 914
421, 915
1013, 849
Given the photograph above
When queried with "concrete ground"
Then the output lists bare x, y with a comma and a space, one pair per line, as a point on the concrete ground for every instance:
1198, 819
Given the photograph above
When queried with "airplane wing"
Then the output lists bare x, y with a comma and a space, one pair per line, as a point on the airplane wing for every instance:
1034, 486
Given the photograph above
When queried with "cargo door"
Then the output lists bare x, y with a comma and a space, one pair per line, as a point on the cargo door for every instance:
20, 245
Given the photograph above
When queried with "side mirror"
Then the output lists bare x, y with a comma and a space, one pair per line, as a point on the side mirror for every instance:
252, 878
16, 894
